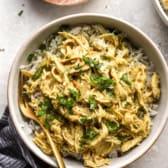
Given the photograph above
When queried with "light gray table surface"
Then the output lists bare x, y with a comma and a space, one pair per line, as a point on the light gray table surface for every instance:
15, 29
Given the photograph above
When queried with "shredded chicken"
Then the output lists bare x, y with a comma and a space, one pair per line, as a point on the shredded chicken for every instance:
91, 89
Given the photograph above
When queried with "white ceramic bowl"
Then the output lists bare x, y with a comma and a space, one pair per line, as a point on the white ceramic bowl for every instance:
161, 11
137, 37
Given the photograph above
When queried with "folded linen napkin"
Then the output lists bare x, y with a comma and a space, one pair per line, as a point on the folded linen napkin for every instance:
13, 152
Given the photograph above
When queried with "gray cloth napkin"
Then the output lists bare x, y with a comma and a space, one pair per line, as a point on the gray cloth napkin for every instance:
13, 152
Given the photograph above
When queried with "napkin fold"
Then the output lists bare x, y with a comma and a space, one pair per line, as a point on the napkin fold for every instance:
13, 152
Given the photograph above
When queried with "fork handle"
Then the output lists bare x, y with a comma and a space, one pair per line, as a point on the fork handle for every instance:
59, 160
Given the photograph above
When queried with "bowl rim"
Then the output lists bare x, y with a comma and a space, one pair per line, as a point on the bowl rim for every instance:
161, 11
50, 24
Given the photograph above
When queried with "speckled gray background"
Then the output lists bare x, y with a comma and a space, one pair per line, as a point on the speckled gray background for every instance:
15, 29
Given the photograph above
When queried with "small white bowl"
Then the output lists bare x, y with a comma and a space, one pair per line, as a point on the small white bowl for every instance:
137, 37
162, 13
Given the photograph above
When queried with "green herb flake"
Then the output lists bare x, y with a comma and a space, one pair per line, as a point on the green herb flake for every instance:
122, 138
103, 57
42, 46
64, 27
126, 104
38, 72
82, 144
112, 126
92, 102
141, 112
48, 119
67, 102
92, 63
24, 92
41, 113
31, 57
62, 99
110, 92
74, 94
101, 82
126, 79
98, 65
45, 107
85, 120
59, 118
88, 61
89, 134
2, 49
20, 13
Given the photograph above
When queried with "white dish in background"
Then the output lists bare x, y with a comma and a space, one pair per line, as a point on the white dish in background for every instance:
65, 2
161, 11
137, 37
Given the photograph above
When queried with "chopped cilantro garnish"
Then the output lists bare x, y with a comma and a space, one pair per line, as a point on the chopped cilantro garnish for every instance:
112, 126
85, 120
89, 134
126, 104
38, 72
82, 144
45, 107
74, 94
62, 99
2, 49
122, 138
48, 119
141, 112
92, 102
64, 27
110, 92
41, 113
59, 117
46, 111
20, 13
24, 92
31, 57
88, 61
67, 102
102, 82
92, 63
126, 79
103, 57
42, 46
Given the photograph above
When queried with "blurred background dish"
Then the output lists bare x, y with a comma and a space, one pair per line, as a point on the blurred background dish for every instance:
159, 5
65, 2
